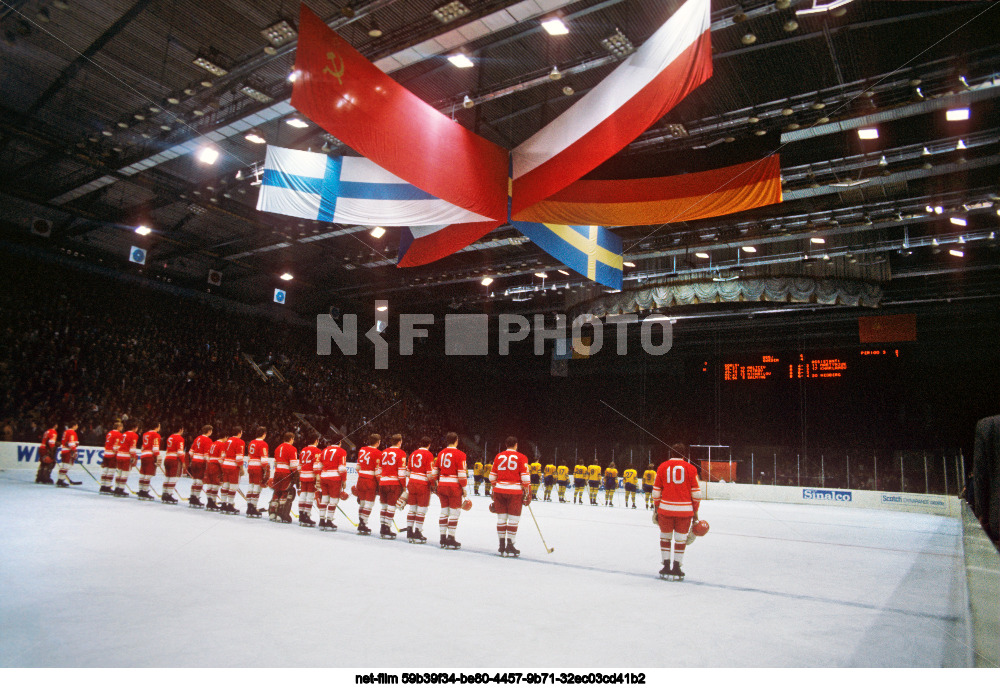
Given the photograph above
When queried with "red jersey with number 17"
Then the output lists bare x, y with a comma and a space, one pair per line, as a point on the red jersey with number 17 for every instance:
510, 472
677, 485
332, 463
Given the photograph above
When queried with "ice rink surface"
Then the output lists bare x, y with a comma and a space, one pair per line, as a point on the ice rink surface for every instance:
91, 581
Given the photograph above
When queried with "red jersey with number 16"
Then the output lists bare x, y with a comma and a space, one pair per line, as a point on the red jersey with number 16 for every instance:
510, 472
450, 467
677, 485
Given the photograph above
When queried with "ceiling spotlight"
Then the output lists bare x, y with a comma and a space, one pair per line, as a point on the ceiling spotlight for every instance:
206, 83
279, 34
294, 75
198, 113
554, 26
629, 264
542, 275
467, 102
377, 232
143, 230
960, 221
753, 119
750, 249
60, 4
165, 127
783, 4
957, 115
822, 120
326, 147
189, 91
938, 210
256, 94
618, 44
555, 74
818, 240
108, 132
461, 60
563, 272
748, 38
818, 105
381, 309
568, 90
123, 125
760, 132
868, 134
790, 25
960, 145
375, 31
926, 152
787, 111
286, 276
210, 66
486, 281
43, 16
296, 122
173, 101
270, 50
450, 12
239, 175
253, 136
962, 80
958, 253
208, 155
701, 254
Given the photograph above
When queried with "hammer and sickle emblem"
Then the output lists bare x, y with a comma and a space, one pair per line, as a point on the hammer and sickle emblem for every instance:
336, 67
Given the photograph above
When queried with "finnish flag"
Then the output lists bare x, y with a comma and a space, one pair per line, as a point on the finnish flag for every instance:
348, 190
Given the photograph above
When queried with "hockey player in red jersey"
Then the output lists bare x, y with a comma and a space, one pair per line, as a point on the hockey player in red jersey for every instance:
149, 456
368, 462
451, 475
172, 465
332, 469
47, 456
128, 451
257, 469
418, 493
232, 468
511, 489
110, 462
199, 457
286, 463
677, 495
213, 473
68, 453
307, 480
391, 466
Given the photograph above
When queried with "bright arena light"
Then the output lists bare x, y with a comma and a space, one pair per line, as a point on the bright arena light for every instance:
208, 155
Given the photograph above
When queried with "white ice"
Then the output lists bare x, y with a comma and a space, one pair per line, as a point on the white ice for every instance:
89, 580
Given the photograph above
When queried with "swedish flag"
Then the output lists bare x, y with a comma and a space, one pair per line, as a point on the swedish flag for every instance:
592, 251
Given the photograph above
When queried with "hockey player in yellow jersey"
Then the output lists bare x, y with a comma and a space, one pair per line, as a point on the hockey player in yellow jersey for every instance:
631, 479
610, 484
594, 481
535, 469
549, 479
488, 486
648, 478
579, 482
477, 476
562, 479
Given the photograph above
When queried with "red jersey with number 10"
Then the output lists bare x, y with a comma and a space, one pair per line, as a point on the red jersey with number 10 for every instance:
510, 472
450, 467
677, 486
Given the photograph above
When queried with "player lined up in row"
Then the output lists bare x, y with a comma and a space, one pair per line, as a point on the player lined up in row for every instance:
216, 466
593, 477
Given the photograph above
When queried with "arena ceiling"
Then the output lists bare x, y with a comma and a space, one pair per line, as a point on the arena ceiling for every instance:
96, 95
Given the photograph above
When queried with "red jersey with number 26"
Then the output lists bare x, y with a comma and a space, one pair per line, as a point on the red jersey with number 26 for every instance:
677, 485
510, 472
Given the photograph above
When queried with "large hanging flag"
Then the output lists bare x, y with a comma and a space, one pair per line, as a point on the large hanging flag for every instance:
349, 190
674, 61
341, 91
420, 245
592, 251
655, 200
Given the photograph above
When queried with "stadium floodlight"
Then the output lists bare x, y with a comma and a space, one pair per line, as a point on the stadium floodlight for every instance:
818, 240
957, 253
868, 134
286, 276
563, 272
294, 75
701, 254
382, 309
253, 136
279, 34
750, 249
957, 115
629, 264
296, 122
554, 26
618, 44
143, 230
461, 60
210, 64
450, 12
208, 155
378, 232
256, 94
542, 275
487, 281
960, 221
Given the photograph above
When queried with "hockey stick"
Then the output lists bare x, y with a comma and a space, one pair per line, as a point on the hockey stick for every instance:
84, 467
548, 549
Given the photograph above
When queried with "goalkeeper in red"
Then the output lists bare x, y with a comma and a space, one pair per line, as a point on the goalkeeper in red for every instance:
676, 496
510, 478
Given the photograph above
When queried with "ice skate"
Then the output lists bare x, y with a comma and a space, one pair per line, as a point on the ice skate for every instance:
512, 551
418, 537
453, 543
145, 496
61, 483
106, 489
195, 503
306, 520
363, 529
168, 499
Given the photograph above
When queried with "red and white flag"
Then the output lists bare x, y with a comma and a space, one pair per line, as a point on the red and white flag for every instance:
648, 84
